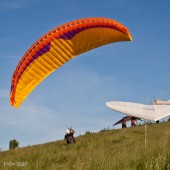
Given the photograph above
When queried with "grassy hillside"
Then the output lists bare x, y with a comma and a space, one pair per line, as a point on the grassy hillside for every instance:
107, 150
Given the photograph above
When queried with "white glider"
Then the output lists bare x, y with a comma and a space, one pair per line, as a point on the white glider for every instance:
157, 111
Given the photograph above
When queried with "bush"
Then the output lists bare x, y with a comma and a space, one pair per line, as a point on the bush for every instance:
13, 144
87, 132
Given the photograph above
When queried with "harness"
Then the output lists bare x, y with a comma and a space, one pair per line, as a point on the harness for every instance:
70, 139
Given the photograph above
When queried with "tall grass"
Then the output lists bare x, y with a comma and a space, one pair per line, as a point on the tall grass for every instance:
122, 149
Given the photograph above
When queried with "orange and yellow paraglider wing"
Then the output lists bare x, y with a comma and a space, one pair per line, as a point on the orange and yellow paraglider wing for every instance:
59, 46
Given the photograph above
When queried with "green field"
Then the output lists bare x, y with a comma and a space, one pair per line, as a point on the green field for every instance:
107, 150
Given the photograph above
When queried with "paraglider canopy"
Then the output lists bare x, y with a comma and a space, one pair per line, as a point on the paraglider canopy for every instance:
57, 47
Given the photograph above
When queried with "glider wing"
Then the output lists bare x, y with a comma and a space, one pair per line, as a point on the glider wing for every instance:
148, 112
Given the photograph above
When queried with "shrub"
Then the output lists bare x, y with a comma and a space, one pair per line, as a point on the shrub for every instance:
87, 132
13, 144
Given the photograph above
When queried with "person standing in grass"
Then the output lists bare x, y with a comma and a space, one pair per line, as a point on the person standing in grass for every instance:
133, 121
124, 123
69, 138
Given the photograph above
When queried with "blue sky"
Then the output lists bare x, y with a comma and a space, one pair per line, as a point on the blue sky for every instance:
75, 94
